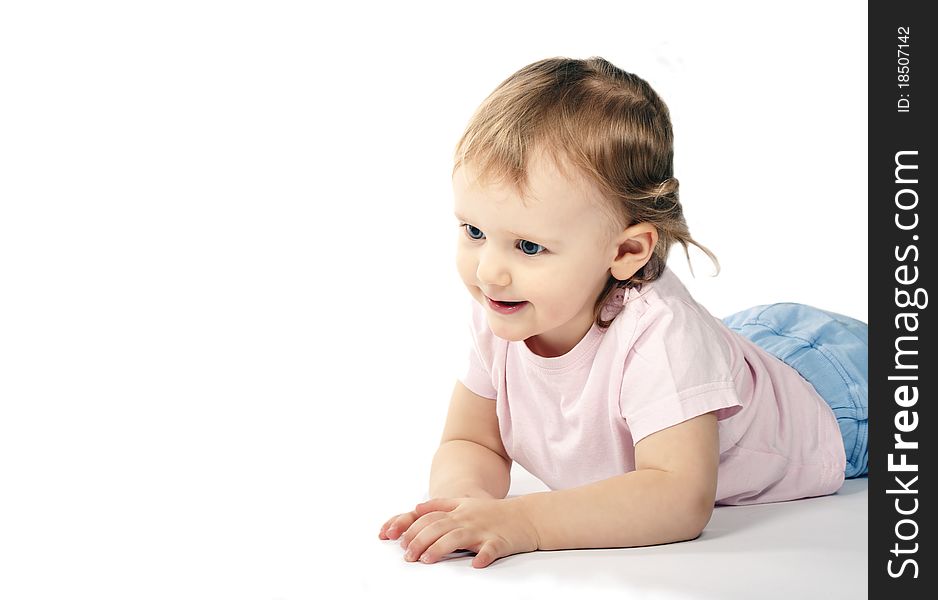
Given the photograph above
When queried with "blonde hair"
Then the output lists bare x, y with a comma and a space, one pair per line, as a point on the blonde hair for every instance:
609, 124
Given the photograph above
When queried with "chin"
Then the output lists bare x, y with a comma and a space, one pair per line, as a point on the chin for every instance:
511, 334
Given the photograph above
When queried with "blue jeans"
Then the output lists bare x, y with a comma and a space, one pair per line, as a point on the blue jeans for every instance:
830, 351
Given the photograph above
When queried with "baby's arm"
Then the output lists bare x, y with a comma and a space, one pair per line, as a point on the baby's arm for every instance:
668, 498
471, 460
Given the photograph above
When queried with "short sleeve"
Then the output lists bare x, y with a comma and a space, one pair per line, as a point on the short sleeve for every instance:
677, 368
477, 376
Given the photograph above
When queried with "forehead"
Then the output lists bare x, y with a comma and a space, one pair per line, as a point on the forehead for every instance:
554, 194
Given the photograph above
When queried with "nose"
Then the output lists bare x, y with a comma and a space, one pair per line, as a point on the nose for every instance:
492, 269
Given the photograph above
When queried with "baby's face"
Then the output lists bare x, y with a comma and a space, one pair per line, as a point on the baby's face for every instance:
552, 255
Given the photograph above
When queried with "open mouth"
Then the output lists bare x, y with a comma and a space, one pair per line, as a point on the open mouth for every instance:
506, 307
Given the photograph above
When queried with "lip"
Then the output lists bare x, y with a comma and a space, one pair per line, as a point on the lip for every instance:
505, 310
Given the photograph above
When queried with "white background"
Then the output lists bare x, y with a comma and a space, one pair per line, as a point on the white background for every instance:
229, 316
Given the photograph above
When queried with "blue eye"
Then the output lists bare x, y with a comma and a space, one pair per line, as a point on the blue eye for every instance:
473, 232
530, 248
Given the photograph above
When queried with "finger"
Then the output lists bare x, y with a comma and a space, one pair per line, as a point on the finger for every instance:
389, 527
427, 536
444, 504
383, 534
486, 556
417, 526
396, 525
451, 541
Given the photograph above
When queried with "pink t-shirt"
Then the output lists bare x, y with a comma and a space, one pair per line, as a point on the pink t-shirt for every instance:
574, 419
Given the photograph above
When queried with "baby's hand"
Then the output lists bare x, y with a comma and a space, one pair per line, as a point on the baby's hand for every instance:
490, 527
397, 525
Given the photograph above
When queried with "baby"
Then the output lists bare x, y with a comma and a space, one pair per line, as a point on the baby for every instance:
591, 364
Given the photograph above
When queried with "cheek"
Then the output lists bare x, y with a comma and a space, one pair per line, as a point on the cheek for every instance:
465, 265
574, 286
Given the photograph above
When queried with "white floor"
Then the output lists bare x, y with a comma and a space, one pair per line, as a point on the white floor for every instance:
812, 548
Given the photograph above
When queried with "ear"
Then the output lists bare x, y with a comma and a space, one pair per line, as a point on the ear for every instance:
634, 248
